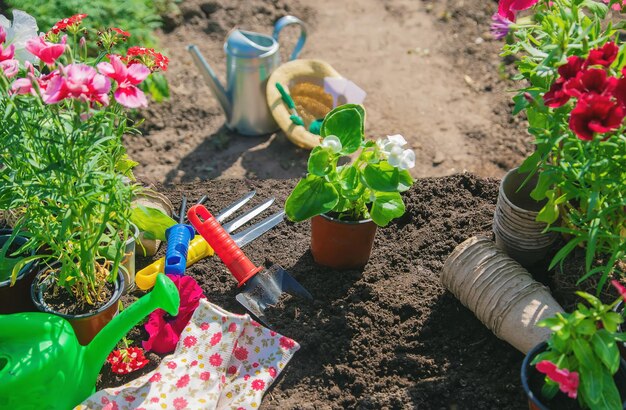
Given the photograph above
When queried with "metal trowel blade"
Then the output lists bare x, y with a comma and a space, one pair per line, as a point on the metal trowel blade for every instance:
264, 289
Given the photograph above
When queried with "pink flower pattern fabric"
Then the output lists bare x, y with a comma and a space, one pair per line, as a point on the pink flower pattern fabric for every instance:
222, 361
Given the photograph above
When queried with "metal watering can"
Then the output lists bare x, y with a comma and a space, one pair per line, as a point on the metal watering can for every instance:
250, 59
42, 365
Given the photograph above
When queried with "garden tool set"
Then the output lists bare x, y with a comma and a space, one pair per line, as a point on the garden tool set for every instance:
262, 288
198, 248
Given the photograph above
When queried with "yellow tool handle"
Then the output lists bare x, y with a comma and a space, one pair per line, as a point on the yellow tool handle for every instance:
198, 249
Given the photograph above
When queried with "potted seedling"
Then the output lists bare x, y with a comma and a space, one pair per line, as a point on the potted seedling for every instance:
580, 363
65, 165
347, 202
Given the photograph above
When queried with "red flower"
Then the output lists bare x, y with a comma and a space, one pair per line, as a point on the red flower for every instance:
241, 353
232, 328
621, 289
258, 384
556, 97
215, 339
62, 25
255, 365
215, 360
129, 398
620, 89
246, 377
286, 343
232, 370
193, 363
120, 31
127, 79
272, 372
47, 52
171, 365
152, 59
155, 378
568, 381
180, 403
128, 360
190, 341
183, 381
595, 114
592, 81
165, 330
204, 376
603, 56
204, 326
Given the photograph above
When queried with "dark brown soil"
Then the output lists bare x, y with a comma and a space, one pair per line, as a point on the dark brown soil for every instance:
388, 336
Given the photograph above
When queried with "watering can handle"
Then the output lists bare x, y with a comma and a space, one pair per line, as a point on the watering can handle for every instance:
285, 21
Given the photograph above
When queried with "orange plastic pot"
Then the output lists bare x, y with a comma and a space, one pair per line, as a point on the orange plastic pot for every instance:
341, 244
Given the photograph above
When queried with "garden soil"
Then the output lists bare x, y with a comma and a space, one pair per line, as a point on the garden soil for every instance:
386, 336
431, 70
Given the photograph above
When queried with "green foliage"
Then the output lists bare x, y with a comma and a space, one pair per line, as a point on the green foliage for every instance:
585, 341
584, 182
151, 221
369, 187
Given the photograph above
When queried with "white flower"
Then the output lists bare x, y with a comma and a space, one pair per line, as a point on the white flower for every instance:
387, 144
332, 142
24, 28
401, 158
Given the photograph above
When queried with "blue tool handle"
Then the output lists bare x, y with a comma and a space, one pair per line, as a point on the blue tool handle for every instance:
178, 237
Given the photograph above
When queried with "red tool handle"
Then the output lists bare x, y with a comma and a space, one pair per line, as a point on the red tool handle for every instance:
235, 260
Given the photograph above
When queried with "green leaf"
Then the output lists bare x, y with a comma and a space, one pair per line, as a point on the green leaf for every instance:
591, 383
597, 8
606, 349
383, 177
125, 166
153, 222
346, 122
312, 196
583, 352
553, 323
320, 161
386, 206
550, 212
586, 327
530, 163
611, 320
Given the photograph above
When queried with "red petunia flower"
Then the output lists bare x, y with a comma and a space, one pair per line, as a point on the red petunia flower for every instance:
604, 55
620, 89
592, 81
568, 381
163, 329
124, 361
595, 114
508, 8
556, 96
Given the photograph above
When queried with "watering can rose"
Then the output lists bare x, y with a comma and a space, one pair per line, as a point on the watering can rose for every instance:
369, 187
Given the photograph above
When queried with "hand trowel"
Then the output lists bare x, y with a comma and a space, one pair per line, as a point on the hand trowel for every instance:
261, 288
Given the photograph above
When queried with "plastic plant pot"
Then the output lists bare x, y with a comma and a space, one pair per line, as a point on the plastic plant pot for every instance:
16, 298
341, 244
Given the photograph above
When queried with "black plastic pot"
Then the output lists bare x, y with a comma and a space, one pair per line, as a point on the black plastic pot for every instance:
86, 325
532, 380
16, 298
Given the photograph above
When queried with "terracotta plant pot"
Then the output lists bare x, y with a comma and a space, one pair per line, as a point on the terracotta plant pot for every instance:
341, 244
532, 380
87, 325
16, 298
514, 223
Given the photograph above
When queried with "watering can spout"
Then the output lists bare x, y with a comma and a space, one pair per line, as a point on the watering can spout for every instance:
164, 295
211, 79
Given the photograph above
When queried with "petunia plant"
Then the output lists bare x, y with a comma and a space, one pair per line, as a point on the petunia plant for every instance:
582, 354
368, 187
574, 96
63, 161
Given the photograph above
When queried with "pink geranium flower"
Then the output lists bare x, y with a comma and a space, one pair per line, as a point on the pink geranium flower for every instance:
568, 381
127, 79
163, 329
10, 68
46, 51
78, 81
7, 53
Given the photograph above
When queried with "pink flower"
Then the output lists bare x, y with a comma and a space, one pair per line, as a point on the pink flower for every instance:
246, 377
10, 67
154, 400
272, 372
163, 329
232, 370
500, 26
258, 384
7, 53
111, 406
604, 55
190, 341
595, 114
180, 403
204, 376
617, 6
232, 328
47, 52
508, 8
204, 326
215, 360
215, 339
22, 86
255, 365
155, 378
568, 381
241, 353
129, 398
127, 78
3, 35
286, 343
621, 289
193, 363
272, 333
171, 365
183, 381
78, 81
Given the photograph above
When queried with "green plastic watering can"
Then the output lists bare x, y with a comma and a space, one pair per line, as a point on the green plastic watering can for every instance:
42, 365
